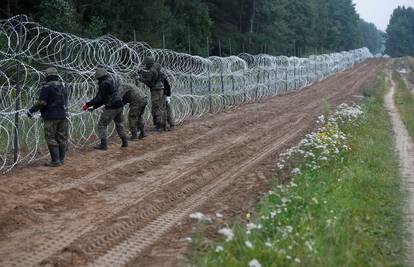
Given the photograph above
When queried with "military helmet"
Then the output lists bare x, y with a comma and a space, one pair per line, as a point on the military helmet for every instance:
148, 60
51, 71
99, 73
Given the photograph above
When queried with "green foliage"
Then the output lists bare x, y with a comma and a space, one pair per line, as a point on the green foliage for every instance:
288, 27
400, 33
349, 213
59, 15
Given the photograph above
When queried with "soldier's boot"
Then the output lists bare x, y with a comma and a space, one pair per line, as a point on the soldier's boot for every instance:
172, 127
102, 146
134, 135
124, 142
142, 132
54, 155
62, 153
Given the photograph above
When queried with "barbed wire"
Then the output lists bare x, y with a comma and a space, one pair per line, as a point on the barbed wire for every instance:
200, 85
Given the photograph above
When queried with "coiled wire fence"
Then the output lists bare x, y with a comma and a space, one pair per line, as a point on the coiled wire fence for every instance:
200, 85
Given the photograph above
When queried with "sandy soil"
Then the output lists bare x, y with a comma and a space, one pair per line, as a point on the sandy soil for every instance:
130, 207
405, 149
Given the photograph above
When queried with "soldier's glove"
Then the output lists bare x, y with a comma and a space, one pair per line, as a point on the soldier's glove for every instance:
29, 113
168, 99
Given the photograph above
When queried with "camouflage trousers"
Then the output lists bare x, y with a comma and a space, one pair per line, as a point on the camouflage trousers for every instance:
56, 132
169, 114
158, 107
135, 115
106, 118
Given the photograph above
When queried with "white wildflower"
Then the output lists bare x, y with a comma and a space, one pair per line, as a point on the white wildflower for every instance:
254, 263
251, 226
219, 215
227, 232
198, 216
219, 249
296, 171
248, 244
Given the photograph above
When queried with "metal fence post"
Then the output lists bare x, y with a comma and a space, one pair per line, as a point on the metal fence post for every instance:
192, 93
18, 98
222, 86
286, 78
209, 89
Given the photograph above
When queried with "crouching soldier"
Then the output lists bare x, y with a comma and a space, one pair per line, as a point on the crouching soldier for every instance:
152, 77
52, 103
109, 96
137, 102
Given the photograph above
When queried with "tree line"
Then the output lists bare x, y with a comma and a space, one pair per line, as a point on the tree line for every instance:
211, 27
400, 33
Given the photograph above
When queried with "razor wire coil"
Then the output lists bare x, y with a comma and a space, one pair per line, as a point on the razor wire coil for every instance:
200, 85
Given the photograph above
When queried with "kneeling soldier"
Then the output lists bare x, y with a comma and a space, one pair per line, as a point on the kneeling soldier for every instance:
108, 95
137, 103
52, 104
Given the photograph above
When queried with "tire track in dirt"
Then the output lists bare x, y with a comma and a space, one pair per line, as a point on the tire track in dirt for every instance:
128, 249
160, 200
128, 193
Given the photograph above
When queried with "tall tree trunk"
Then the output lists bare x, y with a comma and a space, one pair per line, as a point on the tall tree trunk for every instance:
8, 11
252, 20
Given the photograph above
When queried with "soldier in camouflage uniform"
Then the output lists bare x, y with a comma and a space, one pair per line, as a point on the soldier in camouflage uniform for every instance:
52, 104
109, 96
137, 103
152, 76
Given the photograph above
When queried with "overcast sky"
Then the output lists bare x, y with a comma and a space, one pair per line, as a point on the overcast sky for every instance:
379, 11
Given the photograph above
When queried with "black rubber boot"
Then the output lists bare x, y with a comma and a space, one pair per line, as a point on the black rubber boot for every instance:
141, 133
124, 142
54, 155
62, 153
102, 146
134, 136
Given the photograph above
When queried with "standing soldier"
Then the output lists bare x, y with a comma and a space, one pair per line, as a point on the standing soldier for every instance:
52, 104
169, 111
108, 95
152, 76
137, 103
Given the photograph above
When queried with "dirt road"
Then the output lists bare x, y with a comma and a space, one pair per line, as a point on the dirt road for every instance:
405, 150
130, 207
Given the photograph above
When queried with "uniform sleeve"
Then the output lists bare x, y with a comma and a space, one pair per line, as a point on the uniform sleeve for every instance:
97, 101
42, 101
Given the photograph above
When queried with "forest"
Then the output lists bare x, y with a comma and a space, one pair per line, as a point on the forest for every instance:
400, 33
211, 27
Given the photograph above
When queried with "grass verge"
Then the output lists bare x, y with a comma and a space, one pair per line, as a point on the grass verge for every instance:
347, 213
404, 99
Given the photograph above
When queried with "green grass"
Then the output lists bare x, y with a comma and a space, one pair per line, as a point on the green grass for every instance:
349, 213
404, 99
